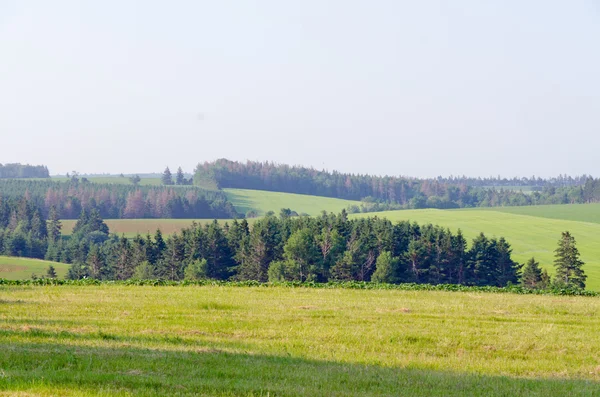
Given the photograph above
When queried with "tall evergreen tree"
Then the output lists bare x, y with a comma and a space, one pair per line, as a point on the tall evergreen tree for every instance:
54, 225
167, 178
532, 274
179, 178
568, 265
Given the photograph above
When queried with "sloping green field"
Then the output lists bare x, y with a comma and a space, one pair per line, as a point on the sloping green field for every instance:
236, 341
262, 201
22, 268
570, 212
528, 235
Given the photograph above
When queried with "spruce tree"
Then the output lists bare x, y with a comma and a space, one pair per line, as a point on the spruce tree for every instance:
167, 178
179, 179
54, 225
51, 272
385, 268
532, 274
568, 265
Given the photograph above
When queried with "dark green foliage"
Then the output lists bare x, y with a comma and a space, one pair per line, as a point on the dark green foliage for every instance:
135, 180
386, 268
167, 178
568, 265
532, 275
179, 178
51, 272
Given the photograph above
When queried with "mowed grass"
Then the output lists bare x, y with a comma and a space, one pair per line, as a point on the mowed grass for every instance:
12, 268
570, 212
262, 201
528, 235
117, 340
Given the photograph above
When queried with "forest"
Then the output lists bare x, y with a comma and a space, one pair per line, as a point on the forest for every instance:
394, 192
324, 248
113, 201
17, 170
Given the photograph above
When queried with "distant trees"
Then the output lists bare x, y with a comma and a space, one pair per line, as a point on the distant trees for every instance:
115, 201
135, 180
569, 270
23, 171
179, 178
388, 192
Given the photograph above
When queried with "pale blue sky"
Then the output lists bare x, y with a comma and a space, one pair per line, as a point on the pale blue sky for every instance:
420, 88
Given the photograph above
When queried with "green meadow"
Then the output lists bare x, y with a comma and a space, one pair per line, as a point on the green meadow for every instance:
263, 201
275, 341
12, 268
570, 212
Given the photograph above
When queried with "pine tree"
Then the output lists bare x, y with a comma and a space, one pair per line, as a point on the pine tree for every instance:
179, 178
54, 225
95, 263
51, 272
385, 268
568, 265
167, 178
532, 274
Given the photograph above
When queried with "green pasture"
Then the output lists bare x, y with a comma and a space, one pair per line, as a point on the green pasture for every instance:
22, 268
570, 212
229, 341
263, 201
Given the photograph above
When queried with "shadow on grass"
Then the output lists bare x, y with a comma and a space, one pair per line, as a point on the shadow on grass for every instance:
60, 369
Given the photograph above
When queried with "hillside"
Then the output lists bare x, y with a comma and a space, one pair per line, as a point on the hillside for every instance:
22, 268
528, 235
263, 201
570, 212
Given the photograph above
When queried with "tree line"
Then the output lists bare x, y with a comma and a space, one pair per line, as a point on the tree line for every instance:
388, 191
17, 170
320, 249
326, 248
115, 201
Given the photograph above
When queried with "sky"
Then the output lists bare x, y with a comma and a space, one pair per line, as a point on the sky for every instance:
415, 88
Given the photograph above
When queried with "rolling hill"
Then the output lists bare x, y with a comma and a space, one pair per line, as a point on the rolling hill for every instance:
22, 268
263, 201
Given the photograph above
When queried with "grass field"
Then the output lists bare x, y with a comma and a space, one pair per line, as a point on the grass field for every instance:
528, 235
570, 212
115, 340
22, 268
263, 201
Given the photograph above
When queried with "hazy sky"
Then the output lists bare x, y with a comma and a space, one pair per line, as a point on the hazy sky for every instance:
419, 88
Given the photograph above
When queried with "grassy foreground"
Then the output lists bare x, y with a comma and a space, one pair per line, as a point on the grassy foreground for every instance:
117, 340
12, 268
